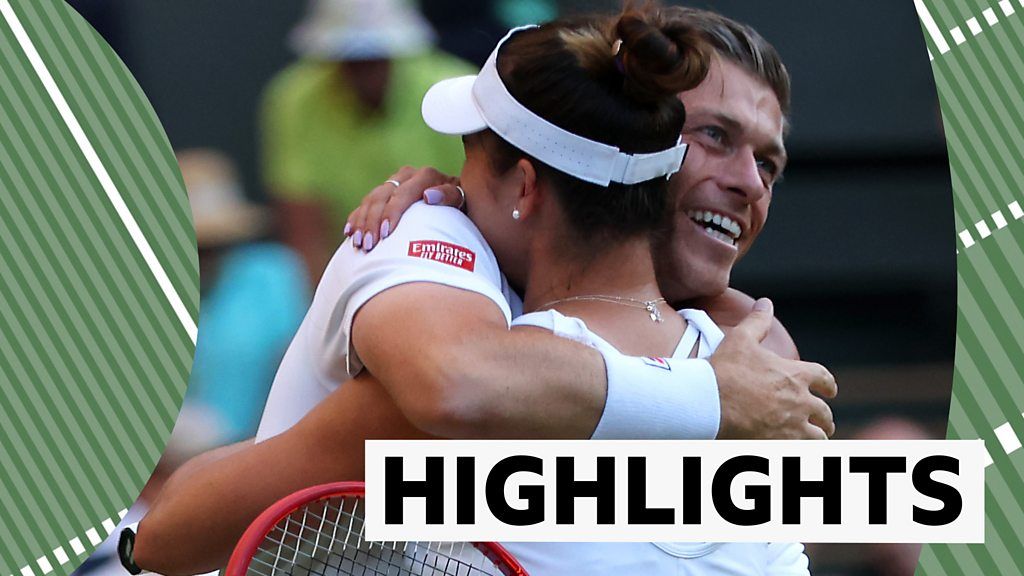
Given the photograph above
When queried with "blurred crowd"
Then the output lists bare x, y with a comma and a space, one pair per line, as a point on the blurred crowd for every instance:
333, 124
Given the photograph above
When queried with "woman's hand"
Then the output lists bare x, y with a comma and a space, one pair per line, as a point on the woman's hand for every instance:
379, 212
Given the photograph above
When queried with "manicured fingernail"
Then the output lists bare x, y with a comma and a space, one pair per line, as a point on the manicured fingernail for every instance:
368, 243
385, 228
433, 196
357, 238
348, 228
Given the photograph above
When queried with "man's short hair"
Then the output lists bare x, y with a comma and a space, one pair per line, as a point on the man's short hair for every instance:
743, 45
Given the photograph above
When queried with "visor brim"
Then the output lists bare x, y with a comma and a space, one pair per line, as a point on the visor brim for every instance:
449, 108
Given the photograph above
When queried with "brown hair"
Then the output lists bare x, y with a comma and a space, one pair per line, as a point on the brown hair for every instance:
569, 73
740, 44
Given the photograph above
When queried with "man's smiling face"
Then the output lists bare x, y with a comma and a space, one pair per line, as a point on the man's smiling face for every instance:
734, 126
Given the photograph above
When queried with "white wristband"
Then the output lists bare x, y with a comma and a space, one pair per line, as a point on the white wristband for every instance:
659, 398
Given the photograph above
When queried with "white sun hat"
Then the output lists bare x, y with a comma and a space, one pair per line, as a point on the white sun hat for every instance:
362, 30
469, 104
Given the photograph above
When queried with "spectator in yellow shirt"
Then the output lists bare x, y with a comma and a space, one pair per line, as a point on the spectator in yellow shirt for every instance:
348, 111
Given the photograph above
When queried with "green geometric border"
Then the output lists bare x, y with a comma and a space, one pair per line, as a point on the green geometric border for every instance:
976, 50
83, 292
99, 291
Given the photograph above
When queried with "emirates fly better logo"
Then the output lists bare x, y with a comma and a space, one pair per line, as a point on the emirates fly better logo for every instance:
443, 252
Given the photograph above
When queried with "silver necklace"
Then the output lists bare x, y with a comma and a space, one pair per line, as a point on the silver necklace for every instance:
651, 306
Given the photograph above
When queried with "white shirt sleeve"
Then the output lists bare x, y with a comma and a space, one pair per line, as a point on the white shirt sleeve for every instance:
433, 244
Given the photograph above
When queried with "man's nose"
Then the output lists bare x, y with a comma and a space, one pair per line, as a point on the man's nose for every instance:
743, 176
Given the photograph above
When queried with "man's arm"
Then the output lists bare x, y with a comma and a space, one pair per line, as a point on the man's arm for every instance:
455, 369
207, 505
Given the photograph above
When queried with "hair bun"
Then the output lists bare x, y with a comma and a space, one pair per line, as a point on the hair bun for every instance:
658, 60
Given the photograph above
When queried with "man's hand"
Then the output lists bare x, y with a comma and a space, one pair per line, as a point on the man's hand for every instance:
764, 396
379, 212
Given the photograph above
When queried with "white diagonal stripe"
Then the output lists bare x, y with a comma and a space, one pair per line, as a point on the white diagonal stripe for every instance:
101, 172
61, 555
983, 229
1008, 438
965, 237
931, 26
999, 219
958, 35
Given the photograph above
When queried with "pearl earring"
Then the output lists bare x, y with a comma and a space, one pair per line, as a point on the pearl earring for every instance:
515, 214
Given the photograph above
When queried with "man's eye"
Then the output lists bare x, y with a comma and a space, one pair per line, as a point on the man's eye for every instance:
713, 132
770, 172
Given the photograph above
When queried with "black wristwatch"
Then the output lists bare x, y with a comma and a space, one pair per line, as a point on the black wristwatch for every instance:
126, 549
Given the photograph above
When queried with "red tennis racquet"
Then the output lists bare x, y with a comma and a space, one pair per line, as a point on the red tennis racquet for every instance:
319, 531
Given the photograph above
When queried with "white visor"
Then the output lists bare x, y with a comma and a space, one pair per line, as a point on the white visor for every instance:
470, 104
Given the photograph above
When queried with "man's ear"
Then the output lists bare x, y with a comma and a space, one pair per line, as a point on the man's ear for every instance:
530, 193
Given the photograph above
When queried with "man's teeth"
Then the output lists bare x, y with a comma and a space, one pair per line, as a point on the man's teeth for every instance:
719, 236
731, 228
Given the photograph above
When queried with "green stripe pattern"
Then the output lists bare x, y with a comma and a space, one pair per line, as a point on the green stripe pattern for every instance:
93, 360
980, 88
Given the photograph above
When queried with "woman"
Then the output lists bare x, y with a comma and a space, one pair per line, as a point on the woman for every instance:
572, 234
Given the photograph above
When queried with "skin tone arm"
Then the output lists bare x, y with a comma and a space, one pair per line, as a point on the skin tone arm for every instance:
464, 374
205, 507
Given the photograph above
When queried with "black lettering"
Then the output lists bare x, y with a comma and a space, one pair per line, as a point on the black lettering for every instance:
878, 469
691, 490
534, 495
721, 494
397, 489
638, 512
567, 489
951, 499
829, 489
465, 480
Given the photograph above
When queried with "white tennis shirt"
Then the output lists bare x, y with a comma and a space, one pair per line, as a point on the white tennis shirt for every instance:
654, 558
433, 244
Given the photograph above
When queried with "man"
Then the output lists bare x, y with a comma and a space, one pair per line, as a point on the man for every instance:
454, 369
346, 112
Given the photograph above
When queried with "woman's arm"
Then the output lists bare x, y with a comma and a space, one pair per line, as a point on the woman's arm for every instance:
196, 521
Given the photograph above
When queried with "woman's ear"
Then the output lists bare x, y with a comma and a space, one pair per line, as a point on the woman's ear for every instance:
530, 193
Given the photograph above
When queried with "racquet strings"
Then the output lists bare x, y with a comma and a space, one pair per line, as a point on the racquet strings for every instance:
325, 538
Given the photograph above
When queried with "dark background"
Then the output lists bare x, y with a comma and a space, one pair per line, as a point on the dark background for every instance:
858, 254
